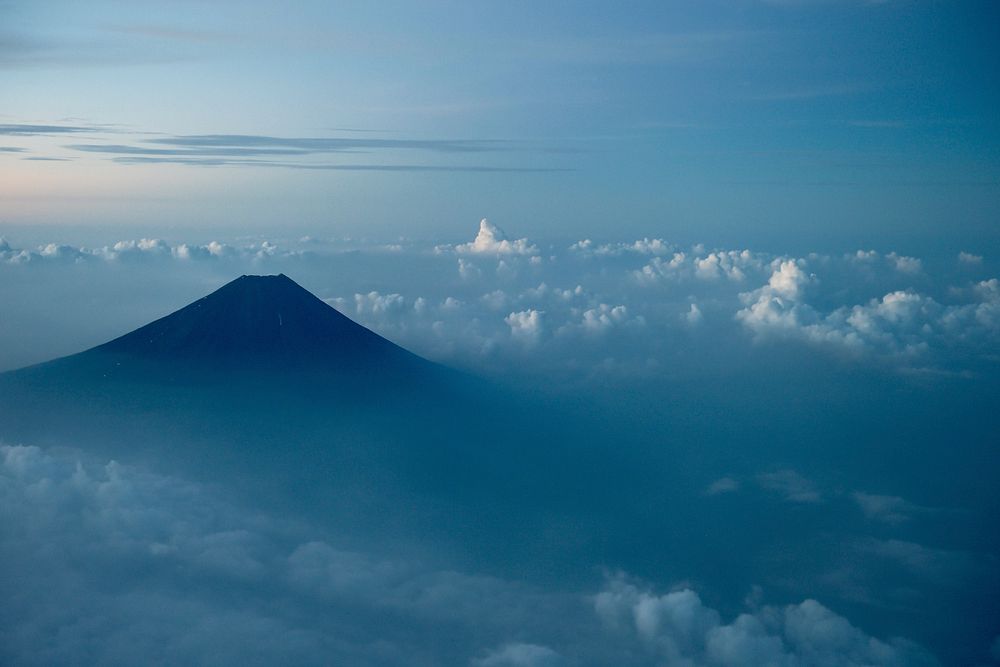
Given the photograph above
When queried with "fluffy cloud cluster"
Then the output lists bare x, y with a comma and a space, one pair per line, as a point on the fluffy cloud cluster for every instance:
139, 249
643, 246
679, 629
901, 322
491, 240
628, 306
733, 265
114, 562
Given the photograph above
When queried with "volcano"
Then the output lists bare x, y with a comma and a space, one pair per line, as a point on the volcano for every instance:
259, 347
263, 322
252, 325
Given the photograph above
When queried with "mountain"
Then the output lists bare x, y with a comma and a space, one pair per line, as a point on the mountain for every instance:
252, 324
253, 358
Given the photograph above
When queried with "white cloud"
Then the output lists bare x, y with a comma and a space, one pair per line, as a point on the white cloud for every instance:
379, 305
858, 303
643, 246
520, 655
526, 325
115, 564
902, 322
733, 265
693, 315
970, 259
604, 317
491, 240
788, 280
905, 264
679, 629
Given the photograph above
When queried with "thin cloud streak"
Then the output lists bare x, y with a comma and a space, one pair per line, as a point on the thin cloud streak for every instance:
210, 162
26, 130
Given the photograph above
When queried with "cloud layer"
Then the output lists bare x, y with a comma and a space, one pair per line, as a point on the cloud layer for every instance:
493, 298
109, 563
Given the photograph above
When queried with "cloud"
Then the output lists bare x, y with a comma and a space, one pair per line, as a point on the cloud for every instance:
138, 250
693, 316
970, 259
520, 655
492, 241
902, 322
632, 305
262, 151
222, 142
643, 246
113, 562
526, 325
790, 484
677, 628
733, 265
905, 264
28, 130
887, 509
721, 486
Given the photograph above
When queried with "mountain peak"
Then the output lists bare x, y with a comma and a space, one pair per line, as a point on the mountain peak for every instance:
254, 322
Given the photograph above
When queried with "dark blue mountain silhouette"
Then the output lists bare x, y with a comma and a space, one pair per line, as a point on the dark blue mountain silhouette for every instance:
259, 322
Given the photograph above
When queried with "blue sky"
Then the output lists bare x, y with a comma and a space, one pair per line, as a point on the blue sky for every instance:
788, 124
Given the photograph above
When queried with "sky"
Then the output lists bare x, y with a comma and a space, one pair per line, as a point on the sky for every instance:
730, 266
784, 123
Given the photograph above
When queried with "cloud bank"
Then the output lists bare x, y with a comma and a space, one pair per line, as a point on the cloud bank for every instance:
625, 306
109, 563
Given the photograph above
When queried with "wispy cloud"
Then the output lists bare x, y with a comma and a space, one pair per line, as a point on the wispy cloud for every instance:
243, 149
333, 144
218, 162
29, 130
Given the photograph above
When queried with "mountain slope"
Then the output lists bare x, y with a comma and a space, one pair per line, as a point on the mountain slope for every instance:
256, 325
258, 321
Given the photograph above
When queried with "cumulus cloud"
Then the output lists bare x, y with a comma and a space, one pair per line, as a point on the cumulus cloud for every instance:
693, 316
677, 628
901, 322
526, 325
136, 250
643, 246
732, 265
116, 563
905, 264
491, 240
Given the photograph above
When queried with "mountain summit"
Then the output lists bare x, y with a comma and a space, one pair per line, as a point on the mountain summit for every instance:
254, 324
258, 321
